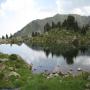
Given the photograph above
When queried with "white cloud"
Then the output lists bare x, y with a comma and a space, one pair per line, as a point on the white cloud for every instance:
59, 7
62, 6
15, 14
78, 11
87, 10
67, 7
1, 12
18, 13
82, 11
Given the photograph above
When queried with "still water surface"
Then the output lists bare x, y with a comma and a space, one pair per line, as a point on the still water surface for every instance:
49, 63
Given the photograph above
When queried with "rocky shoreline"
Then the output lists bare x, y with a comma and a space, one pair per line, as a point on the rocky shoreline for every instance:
4, 41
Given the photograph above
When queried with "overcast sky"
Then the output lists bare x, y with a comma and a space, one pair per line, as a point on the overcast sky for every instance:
15, 14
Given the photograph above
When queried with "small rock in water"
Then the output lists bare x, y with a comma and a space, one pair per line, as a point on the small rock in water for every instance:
40, 66
46, 70
58, 65
34, 69
79, 69
71, 69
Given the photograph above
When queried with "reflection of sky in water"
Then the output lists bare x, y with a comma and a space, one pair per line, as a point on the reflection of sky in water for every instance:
41, 62
82, 60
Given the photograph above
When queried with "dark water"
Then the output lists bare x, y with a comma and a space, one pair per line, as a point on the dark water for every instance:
49, 59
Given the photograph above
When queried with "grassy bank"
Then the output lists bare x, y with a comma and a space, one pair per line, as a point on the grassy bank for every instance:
15, 73
56, 36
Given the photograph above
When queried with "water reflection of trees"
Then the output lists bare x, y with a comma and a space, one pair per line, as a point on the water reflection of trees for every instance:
68, 52
83, 49
47, 52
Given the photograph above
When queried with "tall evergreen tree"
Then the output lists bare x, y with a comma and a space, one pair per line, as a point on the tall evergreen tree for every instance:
59, 25
11, 36
76, 27
70, 22
3, 37
47, 27
84, 29
64, 24
53, 25
6, 36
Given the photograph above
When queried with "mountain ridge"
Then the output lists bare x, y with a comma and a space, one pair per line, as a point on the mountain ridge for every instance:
38, 24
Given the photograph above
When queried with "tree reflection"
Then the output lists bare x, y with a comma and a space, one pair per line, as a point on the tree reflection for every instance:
83, 49
47, 52
68, 52
69, 55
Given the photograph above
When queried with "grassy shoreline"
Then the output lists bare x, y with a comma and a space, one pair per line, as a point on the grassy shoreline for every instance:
54, 36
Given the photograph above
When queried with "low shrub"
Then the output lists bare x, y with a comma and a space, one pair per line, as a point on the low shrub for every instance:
13, 57
1, 75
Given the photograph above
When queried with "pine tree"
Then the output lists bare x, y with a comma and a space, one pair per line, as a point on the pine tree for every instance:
70, 22
84, 29
76, 27
59, 25
3, 37
47, 27
11, 36
6, 36
64, 24
53, 25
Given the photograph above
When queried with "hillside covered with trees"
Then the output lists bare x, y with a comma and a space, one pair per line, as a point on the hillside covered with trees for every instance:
38, 25
69, 32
